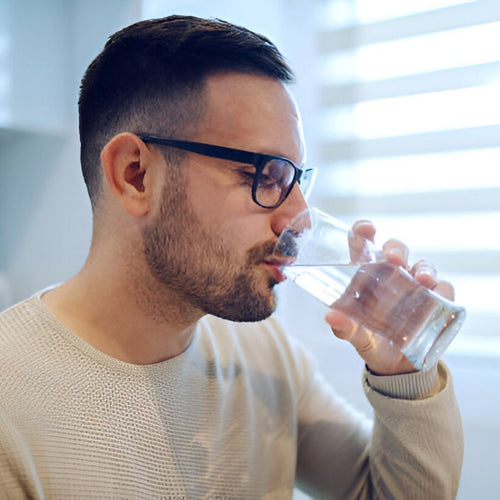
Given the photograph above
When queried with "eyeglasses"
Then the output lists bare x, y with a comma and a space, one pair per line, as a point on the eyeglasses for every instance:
274, 176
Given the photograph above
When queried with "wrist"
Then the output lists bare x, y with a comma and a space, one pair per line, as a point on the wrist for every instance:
416, 385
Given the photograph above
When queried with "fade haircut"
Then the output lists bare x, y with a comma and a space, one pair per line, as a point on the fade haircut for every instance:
150, 78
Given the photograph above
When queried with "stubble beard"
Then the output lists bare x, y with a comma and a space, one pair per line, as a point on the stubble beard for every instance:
188, 260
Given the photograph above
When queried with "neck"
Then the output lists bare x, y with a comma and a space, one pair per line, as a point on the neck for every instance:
123, 317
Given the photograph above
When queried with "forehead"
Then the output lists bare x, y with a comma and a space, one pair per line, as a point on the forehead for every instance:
255, 113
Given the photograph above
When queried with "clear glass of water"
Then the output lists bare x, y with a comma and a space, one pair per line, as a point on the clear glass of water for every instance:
345, 271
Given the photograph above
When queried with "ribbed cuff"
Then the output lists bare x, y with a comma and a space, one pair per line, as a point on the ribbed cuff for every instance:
418, 385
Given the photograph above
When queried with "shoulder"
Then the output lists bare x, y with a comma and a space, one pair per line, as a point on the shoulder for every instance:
19, 319
25, 336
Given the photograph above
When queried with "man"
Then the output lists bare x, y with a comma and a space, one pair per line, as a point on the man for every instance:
153, 373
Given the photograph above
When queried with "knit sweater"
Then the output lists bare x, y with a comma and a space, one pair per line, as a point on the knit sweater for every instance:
241, 413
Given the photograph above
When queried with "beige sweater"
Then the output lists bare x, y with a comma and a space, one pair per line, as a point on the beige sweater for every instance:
240, 414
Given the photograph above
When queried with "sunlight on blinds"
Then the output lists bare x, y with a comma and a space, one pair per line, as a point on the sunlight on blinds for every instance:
450, 171
410, 136
417, 54
366, 11
452, 109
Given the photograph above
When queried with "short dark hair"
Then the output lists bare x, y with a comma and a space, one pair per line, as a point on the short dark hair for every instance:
150, 78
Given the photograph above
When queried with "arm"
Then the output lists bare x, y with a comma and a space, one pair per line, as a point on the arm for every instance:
413, 450
417, 443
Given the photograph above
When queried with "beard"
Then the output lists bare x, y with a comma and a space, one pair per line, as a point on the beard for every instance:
188, 259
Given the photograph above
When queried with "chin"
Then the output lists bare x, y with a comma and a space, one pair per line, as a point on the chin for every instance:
247, 310
248, 300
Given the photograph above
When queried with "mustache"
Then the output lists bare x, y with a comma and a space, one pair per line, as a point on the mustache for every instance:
260, 252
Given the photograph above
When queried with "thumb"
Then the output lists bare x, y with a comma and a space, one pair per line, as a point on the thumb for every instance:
345, 328
381, 357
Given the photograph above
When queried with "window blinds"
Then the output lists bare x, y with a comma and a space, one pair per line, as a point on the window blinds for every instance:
409, 136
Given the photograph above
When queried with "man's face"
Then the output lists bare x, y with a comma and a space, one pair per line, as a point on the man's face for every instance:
209, 242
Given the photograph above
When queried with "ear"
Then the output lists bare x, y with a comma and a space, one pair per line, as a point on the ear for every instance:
126, 161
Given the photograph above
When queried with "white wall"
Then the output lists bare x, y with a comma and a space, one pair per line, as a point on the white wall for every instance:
45, 220
44, 212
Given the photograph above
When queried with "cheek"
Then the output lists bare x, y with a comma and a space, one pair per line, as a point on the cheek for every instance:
217, 193
209, 205
228, 214
235, 235
231, 235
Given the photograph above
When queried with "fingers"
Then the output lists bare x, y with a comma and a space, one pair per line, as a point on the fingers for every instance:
365, 229
360, 251
445, 289
396, 252
425, 273
346, 329
380, 357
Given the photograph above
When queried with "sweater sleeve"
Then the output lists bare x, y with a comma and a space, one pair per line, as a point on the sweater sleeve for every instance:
417, 444
413, 449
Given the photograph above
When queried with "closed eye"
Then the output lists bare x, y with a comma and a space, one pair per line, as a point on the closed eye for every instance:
247, 176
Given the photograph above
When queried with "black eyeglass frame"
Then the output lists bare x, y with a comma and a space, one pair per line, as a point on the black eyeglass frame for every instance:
258, 160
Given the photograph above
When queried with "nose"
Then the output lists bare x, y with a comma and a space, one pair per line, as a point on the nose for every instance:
292, 206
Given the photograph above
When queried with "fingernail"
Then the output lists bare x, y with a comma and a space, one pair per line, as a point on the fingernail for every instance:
396, 252
426, 270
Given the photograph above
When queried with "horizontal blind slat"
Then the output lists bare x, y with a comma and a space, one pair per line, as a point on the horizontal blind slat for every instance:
448, 79
429, 202
440, 141
447, 18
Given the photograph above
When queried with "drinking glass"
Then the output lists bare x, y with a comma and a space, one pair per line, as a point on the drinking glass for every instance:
347, 272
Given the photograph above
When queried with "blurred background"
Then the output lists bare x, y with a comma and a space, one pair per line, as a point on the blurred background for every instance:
401, 108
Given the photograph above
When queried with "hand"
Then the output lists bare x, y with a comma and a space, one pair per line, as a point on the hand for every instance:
380, 357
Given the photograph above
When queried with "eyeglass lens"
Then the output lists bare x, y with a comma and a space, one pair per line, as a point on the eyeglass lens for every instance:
274, 182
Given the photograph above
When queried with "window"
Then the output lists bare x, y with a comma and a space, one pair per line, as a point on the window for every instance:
410, 137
